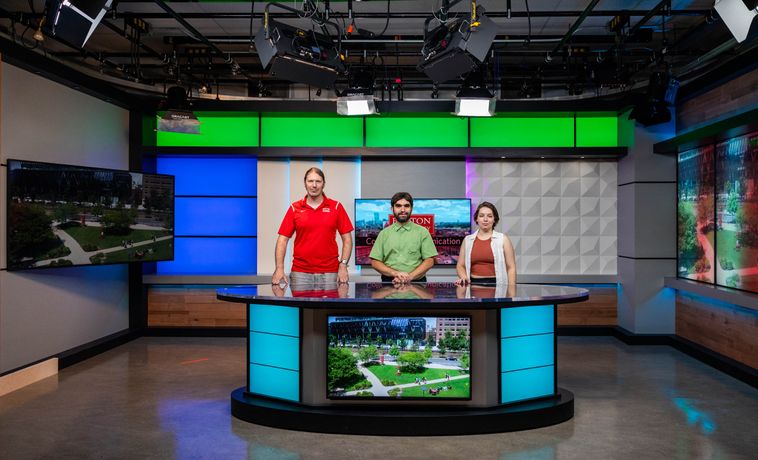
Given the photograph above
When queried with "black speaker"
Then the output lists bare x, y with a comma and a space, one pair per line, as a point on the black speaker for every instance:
298, 55
661, 93
454, 49
73, 21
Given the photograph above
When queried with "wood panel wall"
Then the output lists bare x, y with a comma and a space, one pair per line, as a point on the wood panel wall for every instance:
197, 306
598, 310
730, 331
731, 98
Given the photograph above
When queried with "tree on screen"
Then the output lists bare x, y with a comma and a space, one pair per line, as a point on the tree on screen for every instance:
342, 369
367, 354
412, 362
465, 361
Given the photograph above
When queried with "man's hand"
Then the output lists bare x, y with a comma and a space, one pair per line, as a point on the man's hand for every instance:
342, 275
462, 281
402, 278
278, 277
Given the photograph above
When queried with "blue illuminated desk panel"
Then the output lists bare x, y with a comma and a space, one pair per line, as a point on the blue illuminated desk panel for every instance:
512, 351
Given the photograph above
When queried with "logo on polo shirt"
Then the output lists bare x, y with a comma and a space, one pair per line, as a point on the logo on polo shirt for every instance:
325, 210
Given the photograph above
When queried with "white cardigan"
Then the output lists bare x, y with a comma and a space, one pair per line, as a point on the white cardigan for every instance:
496, 243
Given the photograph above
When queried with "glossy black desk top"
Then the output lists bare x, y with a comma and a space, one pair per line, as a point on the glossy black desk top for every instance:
435, 295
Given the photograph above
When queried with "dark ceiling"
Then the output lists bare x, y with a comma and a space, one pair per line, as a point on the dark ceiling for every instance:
543, 49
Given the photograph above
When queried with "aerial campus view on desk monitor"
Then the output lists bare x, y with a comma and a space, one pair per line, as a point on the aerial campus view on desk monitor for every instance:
399, 357
448, 221
63, 215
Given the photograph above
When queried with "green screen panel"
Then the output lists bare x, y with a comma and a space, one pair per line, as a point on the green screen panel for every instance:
626, 130
416, 130
596, 129
217, 129
523, 130
310, 130
149, 134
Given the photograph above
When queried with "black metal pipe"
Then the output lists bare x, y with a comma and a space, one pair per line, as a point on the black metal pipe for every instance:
196, 33
575, 26
399, 15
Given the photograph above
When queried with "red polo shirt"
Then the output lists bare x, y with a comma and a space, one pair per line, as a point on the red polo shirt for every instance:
316, 248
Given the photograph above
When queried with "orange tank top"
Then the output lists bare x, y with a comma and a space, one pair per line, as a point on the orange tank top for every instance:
482, 259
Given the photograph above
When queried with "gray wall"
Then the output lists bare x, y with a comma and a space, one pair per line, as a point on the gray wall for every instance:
48, 311
647, 234
422, 179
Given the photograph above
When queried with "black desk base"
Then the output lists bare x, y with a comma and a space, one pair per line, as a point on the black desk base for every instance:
403, 420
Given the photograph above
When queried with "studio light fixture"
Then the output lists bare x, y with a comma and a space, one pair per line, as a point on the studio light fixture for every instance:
178, 117
74, 21
299, 55
356, 105
474, 99
358, 98
457, 45
739, 16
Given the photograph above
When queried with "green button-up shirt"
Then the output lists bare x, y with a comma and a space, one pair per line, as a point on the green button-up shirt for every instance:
403, 247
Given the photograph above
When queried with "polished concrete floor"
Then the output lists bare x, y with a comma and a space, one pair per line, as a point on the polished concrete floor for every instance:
169, 398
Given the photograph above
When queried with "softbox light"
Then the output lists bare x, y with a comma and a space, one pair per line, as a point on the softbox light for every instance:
738, 17
73, 21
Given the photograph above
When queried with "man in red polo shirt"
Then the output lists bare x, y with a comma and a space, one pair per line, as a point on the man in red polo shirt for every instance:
315, 219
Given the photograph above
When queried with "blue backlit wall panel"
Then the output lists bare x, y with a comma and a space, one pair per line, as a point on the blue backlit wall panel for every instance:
217, 256
274, 351
216, 215
527, 353
211, 175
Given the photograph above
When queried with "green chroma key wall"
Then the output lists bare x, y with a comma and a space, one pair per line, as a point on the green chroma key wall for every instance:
399, 130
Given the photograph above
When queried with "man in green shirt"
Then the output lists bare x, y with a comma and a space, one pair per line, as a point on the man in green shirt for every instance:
404, 251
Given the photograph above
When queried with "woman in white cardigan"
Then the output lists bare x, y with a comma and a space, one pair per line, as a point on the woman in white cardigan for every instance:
486, 255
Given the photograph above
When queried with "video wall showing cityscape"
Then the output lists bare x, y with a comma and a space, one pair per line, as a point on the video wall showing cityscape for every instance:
62, 215
718, 213
448, 221
695, 214
399, 357
737, 212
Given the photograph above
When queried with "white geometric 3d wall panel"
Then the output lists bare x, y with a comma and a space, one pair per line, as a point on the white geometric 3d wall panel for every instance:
560, 216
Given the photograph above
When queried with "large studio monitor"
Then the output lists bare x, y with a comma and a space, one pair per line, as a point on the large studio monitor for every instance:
298, 55
73, 21
454, 49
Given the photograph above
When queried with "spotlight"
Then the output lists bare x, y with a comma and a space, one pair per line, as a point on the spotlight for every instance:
358, 98
299, 55
738, 17
178, 118
474, 99
456, 47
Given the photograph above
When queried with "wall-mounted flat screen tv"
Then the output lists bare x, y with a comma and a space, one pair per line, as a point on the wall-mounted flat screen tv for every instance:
399, 357
448, 221
63, 215
737, 213
695, 214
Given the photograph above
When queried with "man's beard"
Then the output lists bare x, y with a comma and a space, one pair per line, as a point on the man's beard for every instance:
402, 218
